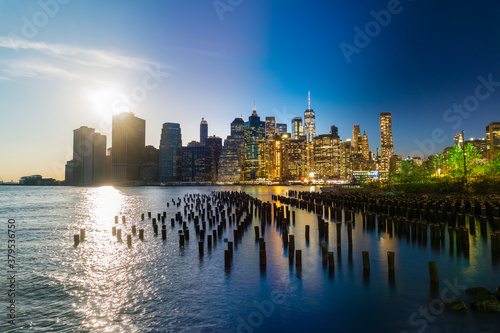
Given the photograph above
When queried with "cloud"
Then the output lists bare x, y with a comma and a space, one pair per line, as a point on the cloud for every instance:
50, 61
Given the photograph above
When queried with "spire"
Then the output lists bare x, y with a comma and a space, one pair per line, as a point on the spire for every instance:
254, 113
309, 99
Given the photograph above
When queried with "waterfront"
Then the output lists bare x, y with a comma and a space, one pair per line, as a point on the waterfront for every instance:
155, 286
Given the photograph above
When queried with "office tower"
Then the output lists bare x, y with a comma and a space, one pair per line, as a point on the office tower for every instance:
270, 127
309, 121
294, 159
128, 142
170, 152
197, 163
386, 147
346, 160
238, 128
356, 139
230, 164
203, 131
334, 130
253, 150
149, 167
297, 128
214, 143
273, 164
88, 166
281, 128
492, 140
365, 148
326, 157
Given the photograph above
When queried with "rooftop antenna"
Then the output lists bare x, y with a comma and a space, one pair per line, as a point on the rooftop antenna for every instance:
309, 99
254, 105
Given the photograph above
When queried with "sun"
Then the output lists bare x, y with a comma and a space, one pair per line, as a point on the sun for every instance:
102, 99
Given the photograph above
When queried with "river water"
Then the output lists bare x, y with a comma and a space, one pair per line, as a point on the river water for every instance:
156, 286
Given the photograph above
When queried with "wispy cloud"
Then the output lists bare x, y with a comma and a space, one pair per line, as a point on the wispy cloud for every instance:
50, 61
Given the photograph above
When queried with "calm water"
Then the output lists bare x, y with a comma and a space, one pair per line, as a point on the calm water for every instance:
102, 286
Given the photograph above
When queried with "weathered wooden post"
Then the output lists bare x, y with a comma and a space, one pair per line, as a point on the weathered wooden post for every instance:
141, 234
76, 239
129, 241
134, 230
119, 235
82, 235
113, 231
307, 232
262, 258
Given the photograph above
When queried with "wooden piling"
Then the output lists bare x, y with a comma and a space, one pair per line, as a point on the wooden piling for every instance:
113, 231
76, 239
331, 260
134, 230
200, 248
129, 241
82, 235
307, 232
181, 240
119, 235
227, 258
141, 234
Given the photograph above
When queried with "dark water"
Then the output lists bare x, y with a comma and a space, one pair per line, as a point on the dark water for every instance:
102, 286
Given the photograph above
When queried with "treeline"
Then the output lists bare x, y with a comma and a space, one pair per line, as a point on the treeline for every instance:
457, 170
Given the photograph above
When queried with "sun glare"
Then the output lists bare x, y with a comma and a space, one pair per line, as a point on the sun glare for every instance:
101, 100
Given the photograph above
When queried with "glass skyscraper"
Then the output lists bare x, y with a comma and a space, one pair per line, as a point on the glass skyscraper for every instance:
170, 152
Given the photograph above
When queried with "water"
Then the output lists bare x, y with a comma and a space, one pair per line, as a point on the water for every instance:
102, 286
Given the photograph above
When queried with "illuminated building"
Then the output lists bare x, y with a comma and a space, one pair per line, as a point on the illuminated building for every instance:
492, 140
297, 128
356, 139
253, 149
294, 158
386, 146
281, 129
309, 122
270, 127
326, 157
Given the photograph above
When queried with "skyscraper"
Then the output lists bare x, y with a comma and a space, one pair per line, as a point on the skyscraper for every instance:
386, 146
309, 121
254, 142
297, 128
88, 166
170, 152
356, 136
230, 164
365, 148
334, 130
203, 131
128, 142
492, 140
270, 127
214, 143
281, 128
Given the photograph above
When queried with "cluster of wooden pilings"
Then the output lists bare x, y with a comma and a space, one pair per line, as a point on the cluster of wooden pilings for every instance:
415, 218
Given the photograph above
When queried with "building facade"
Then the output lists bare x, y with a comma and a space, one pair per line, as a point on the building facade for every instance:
386, 145
170, 153
128, 142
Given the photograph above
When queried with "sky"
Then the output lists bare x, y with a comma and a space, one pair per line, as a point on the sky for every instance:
64, 64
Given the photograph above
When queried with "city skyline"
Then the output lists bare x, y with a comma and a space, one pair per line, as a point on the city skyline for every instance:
168, 62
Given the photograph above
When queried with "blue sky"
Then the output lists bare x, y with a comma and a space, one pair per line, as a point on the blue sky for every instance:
64, 64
